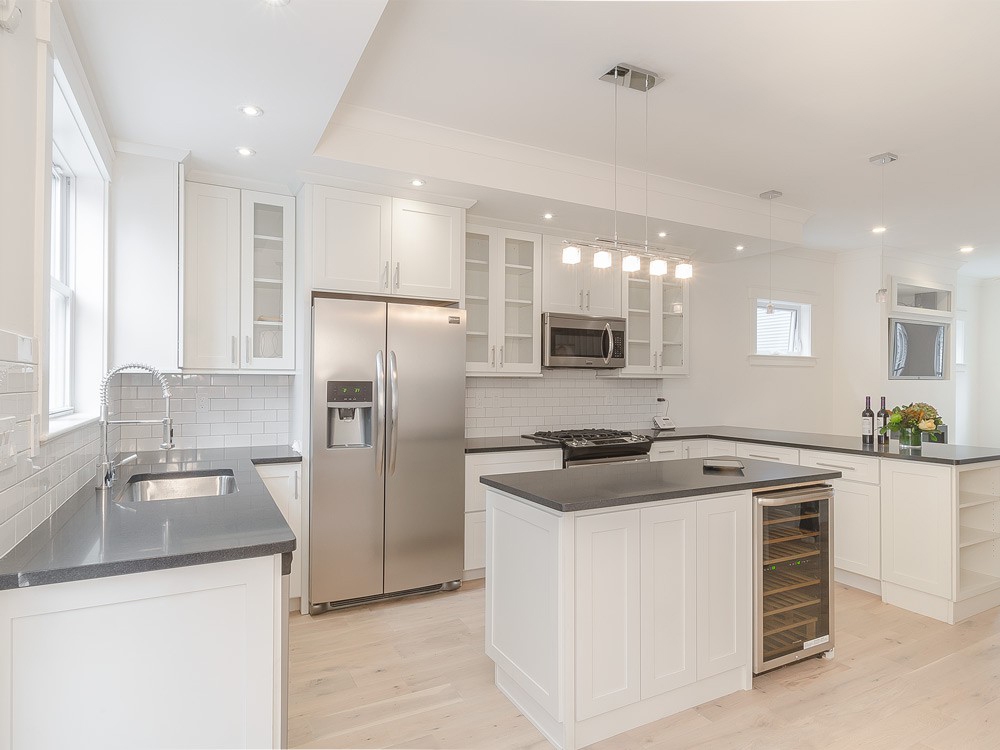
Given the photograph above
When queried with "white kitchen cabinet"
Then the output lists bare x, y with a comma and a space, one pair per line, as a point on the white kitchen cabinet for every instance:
351, 241
267, 301
239, 279
284, 482
857, 523
917, 526
607, 612
762, 452
579, 288
657, 314
667, 450
373, 244
668, 594
704, 447
503, 284
211, 278
723, 584
481, 464
188, 657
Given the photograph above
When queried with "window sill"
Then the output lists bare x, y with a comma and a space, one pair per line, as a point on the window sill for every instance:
778, 360
62, 425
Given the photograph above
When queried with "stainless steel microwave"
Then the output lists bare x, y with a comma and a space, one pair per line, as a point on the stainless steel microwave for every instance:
582, 341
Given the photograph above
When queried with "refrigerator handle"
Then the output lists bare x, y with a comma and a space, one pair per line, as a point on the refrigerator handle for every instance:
393, 410
379, 412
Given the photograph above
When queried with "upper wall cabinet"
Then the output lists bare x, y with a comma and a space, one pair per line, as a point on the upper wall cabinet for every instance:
922, 298
503, 288
372, 244
579, 287
656, 311
238, 276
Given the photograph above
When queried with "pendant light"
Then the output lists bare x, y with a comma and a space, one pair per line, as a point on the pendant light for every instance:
881, 159
571, 255
769, 196
657, 267
602, 259
683, 271
631, 263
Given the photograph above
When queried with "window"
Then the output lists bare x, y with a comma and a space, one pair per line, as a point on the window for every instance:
61, 296
785, 331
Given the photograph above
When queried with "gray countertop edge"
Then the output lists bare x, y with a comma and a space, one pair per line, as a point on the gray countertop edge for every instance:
818, 476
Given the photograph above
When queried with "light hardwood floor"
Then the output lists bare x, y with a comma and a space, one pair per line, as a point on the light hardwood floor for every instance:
412, 674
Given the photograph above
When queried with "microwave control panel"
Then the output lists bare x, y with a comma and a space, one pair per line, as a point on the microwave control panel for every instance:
618, 349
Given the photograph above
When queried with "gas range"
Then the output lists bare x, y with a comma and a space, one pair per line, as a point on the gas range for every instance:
597, 446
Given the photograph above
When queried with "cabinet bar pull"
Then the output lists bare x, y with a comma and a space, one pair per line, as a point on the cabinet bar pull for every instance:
397, 275
581, 299
835, 466
386, 284
501, 355
296, 488
248, 350
588, 299
766, 458
233, 353
493, 356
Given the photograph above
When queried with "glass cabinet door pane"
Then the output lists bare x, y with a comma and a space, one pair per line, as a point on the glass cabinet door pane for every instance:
477, 298
638, 352
268, 281
673, 324
519, 307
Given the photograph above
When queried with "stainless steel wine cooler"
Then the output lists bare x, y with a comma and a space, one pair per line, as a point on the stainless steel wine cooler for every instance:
793, 577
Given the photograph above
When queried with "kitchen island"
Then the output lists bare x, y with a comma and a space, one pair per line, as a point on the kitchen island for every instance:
618, 595
150, 624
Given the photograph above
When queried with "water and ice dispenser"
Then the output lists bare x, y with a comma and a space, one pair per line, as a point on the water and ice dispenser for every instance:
349, 413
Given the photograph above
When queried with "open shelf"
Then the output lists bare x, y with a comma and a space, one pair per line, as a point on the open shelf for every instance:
971, 583
635, 311
967, 536
474, 262
971, 499
268, 323
476, 333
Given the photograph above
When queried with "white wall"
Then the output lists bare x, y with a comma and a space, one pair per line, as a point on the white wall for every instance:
969, 377
988, 398
144, 260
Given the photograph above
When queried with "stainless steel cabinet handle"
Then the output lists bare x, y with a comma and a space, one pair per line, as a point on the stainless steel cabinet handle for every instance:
248, 350
386, 284
581, 299
234, 355
393, 411
379, 411
836, 466
766, 458
588, 299
397, 275
295, 488
493, 356
800, 496
501, 355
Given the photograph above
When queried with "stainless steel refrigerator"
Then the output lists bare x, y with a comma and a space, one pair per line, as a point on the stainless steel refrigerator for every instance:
388, 458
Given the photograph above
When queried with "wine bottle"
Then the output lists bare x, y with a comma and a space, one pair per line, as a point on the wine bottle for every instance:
881, 420
868, 423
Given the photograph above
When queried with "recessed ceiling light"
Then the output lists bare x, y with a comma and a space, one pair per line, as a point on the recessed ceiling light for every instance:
245, 151
739, 248
966, 249
548, 216
663, 234
417, 182
878, 230
251, 110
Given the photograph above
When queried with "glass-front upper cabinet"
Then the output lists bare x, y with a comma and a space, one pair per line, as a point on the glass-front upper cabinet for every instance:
922, 298
268, 271
502, 299
656, 310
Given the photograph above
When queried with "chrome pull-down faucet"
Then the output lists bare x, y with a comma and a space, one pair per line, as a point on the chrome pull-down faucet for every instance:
109, 469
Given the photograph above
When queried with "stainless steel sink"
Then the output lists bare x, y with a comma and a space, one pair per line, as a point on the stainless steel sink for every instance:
175, 485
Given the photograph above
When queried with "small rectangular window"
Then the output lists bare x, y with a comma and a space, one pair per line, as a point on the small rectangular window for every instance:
782, 328
61, 295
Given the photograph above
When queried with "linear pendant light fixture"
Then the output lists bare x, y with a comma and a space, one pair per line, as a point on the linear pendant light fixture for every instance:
629, 77
769, 196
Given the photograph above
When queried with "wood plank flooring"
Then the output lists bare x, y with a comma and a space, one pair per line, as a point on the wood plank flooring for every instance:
412, 673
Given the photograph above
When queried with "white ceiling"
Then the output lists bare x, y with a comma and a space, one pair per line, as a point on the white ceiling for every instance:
173, 73
758, 95
794, 96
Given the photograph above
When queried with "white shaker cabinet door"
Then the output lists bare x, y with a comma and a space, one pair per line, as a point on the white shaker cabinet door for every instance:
856, 527
426, 250
723, 584
351, 238
284, 483
669, 597
211, 276
602, 294
607, 612
562, 288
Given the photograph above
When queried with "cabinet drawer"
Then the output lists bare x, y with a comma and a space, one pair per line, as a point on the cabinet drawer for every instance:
667, 451
854, 468
768, 453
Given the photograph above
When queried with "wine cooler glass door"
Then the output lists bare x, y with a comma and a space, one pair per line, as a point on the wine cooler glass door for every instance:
794, 595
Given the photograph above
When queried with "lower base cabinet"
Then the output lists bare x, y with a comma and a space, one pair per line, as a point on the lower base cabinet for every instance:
284, 482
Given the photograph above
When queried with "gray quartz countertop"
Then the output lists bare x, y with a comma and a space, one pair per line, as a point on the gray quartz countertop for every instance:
611, 485
954, 455
89, 537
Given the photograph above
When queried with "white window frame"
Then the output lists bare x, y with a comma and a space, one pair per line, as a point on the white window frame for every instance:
61, 282
802, 353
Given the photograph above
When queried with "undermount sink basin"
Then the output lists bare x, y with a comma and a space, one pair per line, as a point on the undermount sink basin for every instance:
179, 484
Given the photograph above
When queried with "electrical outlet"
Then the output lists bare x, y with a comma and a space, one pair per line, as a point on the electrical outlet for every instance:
202, 402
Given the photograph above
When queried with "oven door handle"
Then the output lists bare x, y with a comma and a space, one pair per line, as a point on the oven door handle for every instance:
805, 496
609, 460
607, 343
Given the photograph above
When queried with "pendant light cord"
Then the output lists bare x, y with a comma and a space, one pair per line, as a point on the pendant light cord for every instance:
645, 159
770, 250
614, 135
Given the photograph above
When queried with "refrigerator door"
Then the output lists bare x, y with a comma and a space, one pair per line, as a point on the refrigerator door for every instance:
425, 447
348, 491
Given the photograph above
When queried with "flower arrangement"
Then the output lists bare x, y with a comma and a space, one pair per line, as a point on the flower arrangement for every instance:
913, 420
